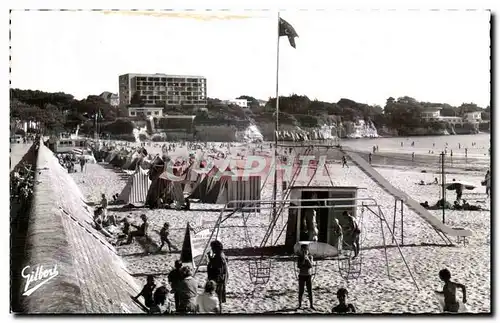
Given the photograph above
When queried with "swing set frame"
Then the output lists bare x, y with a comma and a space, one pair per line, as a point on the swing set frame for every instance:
251, 205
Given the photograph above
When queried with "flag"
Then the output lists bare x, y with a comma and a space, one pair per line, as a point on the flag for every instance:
287, 30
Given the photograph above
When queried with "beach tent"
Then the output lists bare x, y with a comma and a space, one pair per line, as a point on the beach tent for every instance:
132, 162
221, 187
137, 187
167, 185
111, 155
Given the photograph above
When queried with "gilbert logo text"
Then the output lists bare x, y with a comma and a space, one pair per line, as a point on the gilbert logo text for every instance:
36, 277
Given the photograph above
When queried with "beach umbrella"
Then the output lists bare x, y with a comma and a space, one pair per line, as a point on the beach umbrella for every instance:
453, 186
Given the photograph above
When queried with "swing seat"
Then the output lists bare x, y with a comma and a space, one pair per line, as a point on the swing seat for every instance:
260, 271
462, 239
350, 268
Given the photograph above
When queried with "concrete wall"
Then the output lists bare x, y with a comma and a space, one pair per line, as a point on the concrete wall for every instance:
91, 277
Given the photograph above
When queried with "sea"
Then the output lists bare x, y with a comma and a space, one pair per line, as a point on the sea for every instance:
422, 144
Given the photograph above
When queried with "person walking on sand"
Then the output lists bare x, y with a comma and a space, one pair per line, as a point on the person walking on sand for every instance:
344, 162
164, 233
370, 158
449, 292
343, 307
217, 270
305, 265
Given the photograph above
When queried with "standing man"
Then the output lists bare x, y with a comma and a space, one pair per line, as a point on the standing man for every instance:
82, 164
305, 265
487, 179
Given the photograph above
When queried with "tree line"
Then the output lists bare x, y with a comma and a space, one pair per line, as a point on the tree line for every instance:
59, 112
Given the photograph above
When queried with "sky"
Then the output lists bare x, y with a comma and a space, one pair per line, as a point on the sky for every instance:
366, 56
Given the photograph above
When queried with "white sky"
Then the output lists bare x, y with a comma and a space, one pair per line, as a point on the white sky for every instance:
366, 56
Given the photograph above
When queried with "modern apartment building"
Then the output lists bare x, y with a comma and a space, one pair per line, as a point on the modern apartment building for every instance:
163, 89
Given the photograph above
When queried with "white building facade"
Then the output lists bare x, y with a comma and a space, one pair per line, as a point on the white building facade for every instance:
242, 103
163, 90
146, 111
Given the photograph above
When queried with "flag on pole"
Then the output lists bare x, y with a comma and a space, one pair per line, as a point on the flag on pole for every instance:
287, 30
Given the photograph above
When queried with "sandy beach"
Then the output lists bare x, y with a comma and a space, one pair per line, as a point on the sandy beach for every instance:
373, 291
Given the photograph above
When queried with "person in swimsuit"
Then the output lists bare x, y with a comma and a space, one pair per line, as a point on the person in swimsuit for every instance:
356, 232
305, 265
343, 307
147, 292
449, 292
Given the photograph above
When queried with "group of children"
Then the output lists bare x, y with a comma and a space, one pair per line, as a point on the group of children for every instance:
184, 287
305, 264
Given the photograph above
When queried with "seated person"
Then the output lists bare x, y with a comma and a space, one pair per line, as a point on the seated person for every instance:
343, 307
187, 205
159, 300
425, 204
421, 183
435, 181
457, 206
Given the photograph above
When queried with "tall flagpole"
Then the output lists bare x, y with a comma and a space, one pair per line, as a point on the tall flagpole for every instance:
276, 123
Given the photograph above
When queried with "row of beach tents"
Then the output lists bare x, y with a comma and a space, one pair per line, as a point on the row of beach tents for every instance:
152, 178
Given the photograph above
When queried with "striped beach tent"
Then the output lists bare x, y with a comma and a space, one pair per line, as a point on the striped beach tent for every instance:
77, 151
136, 189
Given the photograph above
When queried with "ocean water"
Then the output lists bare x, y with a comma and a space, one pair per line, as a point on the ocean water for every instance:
424, 144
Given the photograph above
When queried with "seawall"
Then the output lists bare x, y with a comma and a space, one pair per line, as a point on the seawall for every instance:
89, 277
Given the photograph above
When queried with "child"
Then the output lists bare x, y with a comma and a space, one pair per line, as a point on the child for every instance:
159, 300
208, 302
164, 237
449, 292
174, 278
343, 307
305, 264
147, 291
344, 162
217, 270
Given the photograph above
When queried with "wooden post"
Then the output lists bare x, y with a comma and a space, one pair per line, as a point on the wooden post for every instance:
394, 219
402, 241
443, 189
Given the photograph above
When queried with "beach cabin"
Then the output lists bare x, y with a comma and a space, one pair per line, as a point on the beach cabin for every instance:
296, 230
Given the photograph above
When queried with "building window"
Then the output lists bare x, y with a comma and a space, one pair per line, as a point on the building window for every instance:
148, 113
132, 113
157, 113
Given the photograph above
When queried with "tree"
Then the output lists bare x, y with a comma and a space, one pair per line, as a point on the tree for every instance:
136, 99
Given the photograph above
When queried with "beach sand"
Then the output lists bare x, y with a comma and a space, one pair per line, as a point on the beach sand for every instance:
373, 291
